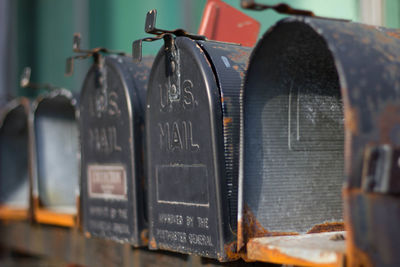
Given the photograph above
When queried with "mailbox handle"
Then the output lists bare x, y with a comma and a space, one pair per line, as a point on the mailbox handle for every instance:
86, 53
150, 27
25, 81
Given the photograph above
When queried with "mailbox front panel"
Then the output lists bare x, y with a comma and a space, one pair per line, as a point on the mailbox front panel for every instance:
112, 151
181, 148
192, 147
14, 154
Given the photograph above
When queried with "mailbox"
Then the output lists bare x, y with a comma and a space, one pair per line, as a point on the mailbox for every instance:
192, 131
321, 102
113, 186
14, 160
56, 158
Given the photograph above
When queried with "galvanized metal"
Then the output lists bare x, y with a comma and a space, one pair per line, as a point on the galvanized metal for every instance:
347, 65
192, 130
14, 160
56, 158
113, 183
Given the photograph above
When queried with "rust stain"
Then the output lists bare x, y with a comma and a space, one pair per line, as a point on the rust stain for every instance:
227, 120
259, 252
153, 243
235, 67
12, 214
394, 34
327, 227
351, 120
231, 251
49, 217
252, 228
355, 256
387, 120
42, 215
144, 236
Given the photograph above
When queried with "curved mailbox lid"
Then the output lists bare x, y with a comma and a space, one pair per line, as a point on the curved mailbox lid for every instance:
111, 125
14, 159
367, 63
56, 158
191, 166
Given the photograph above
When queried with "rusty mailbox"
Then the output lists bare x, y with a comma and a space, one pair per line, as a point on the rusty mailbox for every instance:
14, 160
321, 101
192, 131
112, 134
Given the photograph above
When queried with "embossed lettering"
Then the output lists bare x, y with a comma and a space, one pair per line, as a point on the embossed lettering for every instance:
178, 137
104, 140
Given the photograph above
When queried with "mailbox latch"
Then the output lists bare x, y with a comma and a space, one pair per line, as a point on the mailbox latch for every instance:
381, 169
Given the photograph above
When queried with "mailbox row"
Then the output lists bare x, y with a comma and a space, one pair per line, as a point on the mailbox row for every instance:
210, 144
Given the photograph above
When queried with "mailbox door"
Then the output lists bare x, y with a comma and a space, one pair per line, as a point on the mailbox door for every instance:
111, 140
184, 144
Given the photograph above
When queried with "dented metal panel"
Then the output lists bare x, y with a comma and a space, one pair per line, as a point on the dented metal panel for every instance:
56, 158
113, 185
366, 62
14, 160
192, 126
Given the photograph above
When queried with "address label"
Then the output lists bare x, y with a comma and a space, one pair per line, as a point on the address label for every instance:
107, 181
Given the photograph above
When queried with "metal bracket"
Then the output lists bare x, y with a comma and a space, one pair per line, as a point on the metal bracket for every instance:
150, 27
282, 8
279, 8
381, 170
25, 81
96, 53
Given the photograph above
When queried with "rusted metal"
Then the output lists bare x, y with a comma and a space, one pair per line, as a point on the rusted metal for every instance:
292, 123
222, 22
192, 131
150, 27
279, 8
302, 250
15, 163
327, 227
25, 81
96, 53
366, 60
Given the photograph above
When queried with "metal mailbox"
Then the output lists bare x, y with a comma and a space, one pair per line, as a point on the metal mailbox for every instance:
321, 101
14, 160
192, 131
56, 158
113, 186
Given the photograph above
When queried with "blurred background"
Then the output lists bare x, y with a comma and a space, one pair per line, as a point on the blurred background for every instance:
38, 33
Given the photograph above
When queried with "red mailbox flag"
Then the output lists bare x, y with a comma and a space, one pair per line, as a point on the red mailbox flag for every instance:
222, 22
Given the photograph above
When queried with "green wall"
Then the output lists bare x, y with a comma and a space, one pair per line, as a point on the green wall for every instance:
45, 28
